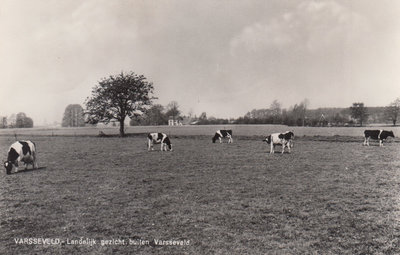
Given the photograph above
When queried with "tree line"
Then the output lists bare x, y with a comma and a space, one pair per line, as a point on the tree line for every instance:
117, 97
147, 114
158, 115
299, 115
19, 120
129, 94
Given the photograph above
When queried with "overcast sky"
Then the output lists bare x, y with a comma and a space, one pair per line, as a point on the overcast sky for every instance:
221, 57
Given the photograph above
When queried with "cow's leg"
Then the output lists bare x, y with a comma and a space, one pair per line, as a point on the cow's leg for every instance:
26, 164
151, 145
16, 165
8, 171
33, 161
162, 144
35, 164
380, 143
283, 148
365, 141
272, 148
220, 139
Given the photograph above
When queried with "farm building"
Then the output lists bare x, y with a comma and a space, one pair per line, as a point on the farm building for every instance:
175, 122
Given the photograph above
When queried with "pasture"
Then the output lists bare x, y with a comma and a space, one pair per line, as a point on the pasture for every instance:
329, 196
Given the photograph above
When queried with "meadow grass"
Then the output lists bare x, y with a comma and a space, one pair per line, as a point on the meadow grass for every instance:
326, 197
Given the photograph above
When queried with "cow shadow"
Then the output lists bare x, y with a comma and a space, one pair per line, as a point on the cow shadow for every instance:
22, 171
375, 145
280, 152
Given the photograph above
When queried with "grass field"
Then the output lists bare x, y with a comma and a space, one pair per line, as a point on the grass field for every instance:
329, 196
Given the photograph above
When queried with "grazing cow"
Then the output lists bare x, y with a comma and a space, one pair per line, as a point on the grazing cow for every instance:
223, 134
377, 135
21, 151
159, 138
284, 139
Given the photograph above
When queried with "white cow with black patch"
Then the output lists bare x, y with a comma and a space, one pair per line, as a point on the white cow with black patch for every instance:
223, 134
284, 139
21, 151
156, 138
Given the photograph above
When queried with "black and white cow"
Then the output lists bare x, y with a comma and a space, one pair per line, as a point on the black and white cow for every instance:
284, 139
21, 151
155, 138
223, 134
377, 135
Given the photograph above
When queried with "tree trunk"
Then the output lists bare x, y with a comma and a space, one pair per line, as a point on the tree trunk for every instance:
122, 128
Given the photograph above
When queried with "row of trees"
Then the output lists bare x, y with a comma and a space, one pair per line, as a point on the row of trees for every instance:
297, 115
19, 120
158, 115
294, 116
130, 95
117, 97
300, 115
390, 112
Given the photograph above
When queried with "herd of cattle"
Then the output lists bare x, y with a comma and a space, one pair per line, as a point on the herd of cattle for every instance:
25, 151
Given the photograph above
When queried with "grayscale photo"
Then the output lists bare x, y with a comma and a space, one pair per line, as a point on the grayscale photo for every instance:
200, 127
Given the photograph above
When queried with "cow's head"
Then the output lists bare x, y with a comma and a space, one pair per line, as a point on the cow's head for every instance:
168, 143
391, 134
289, 135
267, 139
215, 138
9, 166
